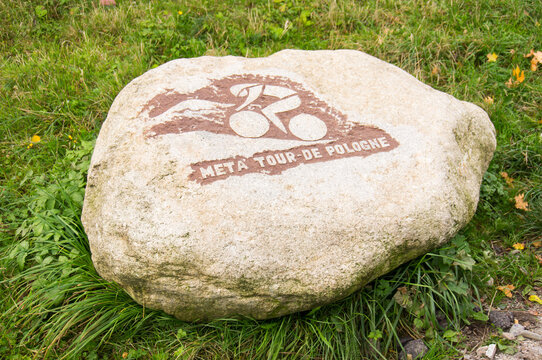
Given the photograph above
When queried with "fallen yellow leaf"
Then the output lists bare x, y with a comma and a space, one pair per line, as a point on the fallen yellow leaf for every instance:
506, 289
535, 298
519, 246
521, 77
492, 57
518, 74
531, 53
36, 139
435, 70
520, 203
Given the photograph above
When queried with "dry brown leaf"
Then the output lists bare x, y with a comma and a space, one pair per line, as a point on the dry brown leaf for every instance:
520, 203
531, 53
537, 244
435, 70
509, 83
537, 58
534, 64
508, 179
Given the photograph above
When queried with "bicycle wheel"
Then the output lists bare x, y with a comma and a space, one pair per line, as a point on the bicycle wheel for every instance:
249, 124
307, 127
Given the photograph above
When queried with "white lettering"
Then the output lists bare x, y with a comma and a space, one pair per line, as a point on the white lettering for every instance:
316, 153
271, 160
348, 150
306, 154
241, 165
339, 149
330, 150
383, 141
229, 165
208, 171
374, 144
356, 146
219, 169
365, 145
259, 159
290, 156
281, 159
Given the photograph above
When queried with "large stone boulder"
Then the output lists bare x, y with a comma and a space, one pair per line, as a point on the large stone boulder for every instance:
225, 186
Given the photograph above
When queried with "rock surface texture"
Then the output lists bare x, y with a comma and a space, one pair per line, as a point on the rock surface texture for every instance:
225, 186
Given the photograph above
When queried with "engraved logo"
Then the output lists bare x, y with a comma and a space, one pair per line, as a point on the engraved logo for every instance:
249, 123
255, 106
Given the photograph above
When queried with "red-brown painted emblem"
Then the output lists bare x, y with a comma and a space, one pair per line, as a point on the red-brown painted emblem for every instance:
255, 106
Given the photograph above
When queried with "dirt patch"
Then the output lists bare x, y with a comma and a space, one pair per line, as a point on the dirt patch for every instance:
479, 335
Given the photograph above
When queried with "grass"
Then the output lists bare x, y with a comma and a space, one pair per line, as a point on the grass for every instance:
62, 64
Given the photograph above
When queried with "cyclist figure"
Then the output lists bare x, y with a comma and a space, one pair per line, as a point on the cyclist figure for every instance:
248, 123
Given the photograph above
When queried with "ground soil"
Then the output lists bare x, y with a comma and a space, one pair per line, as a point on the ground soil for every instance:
481, 334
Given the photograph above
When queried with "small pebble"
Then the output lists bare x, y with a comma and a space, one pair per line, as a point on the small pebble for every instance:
501, 319
531, 335
491, 351
415, 348
516, 329
519, 330
481, 351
